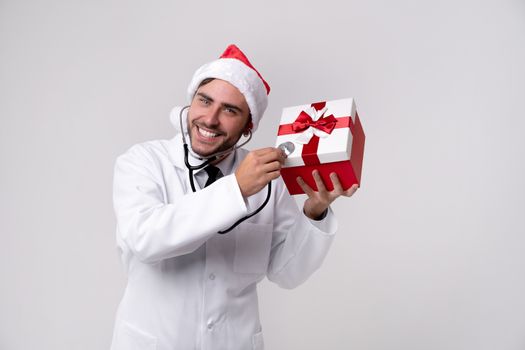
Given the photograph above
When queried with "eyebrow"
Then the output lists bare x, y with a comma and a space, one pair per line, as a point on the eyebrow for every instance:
205, 96
227, 105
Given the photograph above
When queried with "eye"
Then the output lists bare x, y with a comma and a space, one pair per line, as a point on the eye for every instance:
204, 101
230, 110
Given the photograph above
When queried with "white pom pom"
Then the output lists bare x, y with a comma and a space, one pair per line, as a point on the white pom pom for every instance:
175, 117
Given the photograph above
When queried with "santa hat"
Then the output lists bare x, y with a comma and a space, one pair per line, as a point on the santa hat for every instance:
235, 68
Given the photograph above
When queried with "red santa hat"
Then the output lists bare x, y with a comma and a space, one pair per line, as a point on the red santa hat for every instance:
234, 67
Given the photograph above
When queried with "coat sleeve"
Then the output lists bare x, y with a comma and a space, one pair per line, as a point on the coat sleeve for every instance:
153, 229
299, 245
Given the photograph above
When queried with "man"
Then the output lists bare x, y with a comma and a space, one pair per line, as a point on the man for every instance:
190, 287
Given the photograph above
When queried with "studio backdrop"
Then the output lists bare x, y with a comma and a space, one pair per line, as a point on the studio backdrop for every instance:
429, 253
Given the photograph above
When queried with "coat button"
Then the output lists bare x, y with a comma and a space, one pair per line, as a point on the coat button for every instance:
212, 276
210, 325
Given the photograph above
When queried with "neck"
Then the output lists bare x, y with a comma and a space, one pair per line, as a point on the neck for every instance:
220, 159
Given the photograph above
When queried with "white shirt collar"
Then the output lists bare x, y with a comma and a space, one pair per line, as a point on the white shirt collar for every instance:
225, 165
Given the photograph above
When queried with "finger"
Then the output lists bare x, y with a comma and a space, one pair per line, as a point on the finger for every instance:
263, 179
349, 192
273, 166
280, 152
338, 188
306, 189
273, 175
319, 181
272, 155
268, 150
262, 151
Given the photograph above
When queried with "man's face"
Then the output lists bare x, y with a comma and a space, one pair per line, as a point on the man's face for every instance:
217, 117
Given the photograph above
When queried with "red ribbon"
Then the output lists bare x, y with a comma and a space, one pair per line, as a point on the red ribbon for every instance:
303, 121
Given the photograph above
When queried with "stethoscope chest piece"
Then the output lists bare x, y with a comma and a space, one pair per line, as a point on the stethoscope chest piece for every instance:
287, 148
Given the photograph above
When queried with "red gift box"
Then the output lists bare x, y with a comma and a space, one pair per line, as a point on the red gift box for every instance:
326, 136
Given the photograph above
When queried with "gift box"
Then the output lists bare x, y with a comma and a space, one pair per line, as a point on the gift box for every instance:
326, 136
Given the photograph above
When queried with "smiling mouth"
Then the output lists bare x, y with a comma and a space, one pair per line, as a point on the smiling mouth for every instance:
206, 133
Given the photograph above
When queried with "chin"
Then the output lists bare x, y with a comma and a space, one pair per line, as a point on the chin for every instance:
204, 152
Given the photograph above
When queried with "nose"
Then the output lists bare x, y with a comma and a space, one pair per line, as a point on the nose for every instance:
211, 116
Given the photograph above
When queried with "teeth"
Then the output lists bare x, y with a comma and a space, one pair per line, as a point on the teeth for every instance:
206, 133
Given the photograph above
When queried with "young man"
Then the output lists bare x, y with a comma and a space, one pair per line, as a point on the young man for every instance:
190, 287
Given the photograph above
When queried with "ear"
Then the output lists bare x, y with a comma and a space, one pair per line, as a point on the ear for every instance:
248, 128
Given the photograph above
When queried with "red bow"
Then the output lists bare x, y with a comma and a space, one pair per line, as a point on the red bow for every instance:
304, 121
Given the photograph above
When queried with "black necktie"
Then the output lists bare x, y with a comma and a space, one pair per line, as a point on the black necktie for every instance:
214, 173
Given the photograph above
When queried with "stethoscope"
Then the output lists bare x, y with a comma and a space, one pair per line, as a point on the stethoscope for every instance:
211, 158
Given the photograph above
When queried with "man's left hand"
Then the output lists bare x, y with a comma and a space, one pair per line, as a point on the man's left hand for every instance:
318, 202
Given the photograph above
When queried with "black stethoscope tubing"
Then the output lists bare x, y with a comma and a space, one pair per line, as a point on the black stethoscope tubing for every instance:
192, 168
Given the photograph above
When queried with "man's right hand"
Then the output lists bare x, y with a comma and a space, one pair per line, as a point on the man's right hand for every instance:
258, 169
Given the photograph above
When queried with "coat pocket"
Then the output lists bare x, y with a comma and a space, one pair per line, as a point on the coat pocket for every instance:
252, 248
257, 341
129, 337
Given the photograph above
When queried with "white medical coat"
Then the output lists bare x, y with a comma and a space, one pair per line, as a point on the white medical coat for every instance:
189, 287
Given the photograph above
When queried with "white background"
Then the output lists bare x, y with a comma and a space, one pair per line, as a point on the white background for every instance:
430, 253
